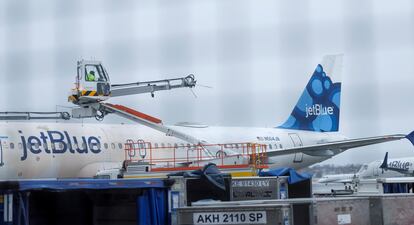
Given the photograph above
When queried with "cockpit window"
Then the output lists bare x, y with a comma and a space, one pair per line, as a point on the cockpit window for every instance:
94, 73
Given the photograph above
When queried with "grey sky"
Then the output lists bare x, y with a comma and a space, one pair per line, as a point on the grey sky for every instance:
257, 56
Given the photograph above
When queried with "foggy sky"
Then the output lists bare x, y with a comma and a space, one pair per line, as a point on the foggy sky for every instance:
257, 56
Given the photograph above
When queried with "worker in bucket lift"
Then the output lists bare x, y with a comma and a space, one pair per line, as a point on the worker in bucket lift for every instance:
90, 76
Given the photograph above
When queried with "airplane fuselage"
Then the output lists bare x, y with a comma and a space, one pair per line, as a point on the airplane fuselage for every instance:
401, 165
370, 170
49, 150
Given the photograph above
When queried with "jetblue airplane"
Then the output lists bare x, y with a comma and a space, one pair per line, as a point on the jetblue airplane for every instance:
401, 165
397, 167
64, 150
370, 170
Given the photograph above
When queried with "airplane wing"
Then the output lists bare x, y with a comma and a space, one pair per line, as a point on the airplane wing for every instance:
342, 181
328, 148
345, 181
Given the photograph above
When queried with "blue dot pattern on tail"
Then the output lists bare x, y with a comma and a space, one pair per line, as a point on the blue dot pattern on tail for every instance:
318, 107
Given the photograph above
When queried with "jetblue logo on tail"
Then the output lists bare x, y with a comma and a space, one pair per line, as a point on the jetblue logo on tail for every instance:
318, 107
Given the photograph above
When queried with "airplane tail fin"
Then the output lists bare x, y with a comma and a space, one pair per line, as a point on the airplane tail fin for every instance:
319, 105
410, 137
384, 164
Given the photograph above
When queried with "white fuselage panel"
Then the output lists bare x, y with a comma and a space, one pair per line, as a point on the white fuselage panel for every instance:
49, 150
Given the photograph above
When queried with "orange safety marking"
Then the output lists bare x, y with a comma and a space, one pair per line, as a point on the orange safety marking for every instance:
136, 113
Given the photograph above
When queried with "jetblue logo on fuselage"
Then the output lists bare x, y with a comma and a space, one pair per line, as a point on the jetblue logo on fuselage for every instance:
400, 165
56, 142
318, 109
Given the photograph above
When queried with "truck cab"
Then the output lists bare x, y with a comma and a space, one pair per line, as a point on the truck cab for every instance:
92, 83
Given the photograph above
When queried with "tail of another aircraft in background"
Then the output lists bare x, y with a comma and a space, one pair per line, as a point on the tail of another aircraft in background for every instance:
400, 165
318, 108
384, 164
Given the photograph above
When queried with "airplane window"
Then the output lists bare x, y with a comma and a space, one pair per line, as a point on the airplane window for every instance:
175, 145
12, 145
270, 146
106, 145
162, 145
275, 146
280, 146
120, 145
113, 145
